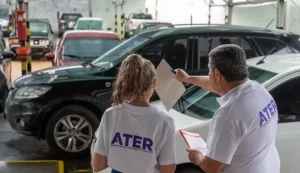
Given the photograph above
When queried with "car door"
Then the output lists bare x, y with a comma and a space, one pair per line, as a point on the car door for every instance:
288, 132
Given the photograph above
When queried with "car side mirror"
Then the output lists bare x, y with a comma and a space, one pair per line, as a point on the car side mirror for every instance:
7, 54
50, 56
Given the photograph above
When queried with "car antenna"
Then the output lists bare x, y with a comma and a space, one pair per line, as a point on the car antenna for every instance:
269, 23
262, 60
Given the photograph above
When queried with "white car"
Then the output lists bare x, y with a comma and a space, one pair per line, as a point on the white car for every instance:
89, 23
280, 75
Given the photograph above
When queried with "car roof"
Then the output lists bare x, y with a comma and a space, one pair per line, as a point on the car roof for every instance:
90, 18
91, 33
277, 63
217, 29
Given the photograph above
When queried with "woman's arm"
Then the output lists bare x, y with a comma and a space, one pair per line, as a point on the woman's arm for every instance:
99, 162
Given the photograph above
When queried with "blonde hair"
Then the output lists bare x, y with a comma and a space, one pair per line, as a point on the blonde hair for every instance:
134, 79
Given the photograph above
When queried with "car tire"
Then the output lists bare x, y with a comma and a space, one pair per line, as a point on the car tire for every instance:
189, 168
63, 145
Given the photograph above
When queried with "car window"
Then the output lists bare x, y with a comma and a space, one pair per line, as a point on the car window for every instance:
70, 16
247, 48
267, 44
287, 98
176, 52
153, 53
87, 48
207, 104
141, 16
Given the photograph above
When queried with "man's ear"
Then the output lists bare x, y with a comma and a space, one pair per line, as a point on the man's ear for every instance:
218, 74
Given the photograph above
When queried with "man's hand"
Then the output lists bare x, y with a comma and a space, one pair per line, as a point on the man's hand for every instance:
180, 75
194, 156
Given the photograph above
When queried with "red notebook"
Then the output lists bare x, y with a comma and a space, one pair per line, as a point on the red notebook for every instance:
194, 141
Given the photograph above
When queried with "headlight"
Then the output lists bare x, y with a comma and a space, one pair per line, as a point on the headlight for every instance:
30, 92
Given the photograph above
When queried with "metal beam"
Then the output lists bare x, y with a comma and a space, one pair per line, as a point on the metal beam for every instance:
251, 2
230, 8
280, 14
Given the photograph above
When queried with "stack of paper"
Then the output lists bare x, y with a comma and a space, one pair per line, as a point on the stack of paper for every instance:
168, 88
194, 141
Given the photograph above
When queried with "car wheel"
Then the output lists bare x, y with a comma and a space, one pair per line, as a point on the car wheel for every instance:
70, 131
190, 168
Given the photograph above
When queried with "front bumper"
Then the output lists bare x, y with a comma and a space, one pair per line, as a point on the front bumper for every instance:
35, 49
22, 115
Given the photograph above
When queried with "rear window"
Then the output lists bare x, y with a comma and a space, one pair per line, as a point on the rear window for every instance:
89, 25
141, 16
70, 16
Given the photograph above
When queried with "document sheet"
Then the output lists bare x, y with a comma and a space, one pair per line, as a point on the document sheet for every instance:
168, 88
194, 141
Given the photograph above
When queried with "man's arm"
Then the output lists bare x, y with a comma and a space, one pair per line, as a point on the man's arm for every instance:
99, 162
207, 164
200, 81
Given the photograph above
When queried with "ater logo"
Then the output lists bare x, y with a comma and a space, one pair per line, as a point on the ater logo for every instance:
107, 84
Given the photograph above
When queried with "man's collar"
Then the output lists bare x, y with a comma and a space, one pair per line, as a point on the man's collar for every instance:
221, 100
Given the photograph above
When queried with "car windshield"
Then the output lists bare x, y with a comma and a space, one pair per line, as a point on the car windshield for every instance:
4, 14
38, 28
87, 48
207, 104
89, 24
127, 47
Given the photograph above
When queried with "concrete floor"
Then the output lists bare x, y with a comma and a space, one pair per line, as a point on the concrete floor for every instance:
19, 153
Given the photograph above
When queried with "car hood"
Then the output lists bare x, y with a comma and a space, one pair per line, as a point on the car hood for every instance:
181, 120
59, 74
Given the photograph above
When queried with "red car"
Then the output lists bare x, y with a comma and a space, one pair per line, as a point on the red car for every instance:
76, 47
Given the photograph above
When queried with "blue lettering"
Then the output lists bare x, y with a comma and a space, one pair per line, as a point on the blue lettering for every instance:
271, 109
127, 138
274, 105
266, 112
137, 140
263, 119
117, 139
147, 143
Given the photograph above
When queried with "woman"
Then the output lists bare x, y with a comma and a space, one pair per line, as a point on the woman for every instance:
134, 137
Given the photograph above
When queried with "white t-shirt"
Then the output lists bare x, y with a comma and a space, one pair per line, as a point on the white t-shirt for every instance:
136, 139
243, 130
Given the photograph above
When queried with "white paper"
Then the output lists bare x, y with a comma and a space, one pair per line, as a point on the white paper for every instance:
195, 142
168, 88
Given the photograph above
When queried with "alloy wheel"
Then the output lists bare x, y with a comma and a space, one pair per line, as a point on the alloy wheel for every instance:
73, 133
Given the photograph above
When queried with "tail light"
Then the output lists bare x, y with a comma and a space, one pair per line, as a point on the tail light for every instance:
61, 21
131, 23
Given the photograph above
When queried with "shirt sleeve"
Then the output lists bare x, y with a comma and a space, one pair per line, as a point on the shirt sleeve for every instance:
100, 147
224, 138
167, 153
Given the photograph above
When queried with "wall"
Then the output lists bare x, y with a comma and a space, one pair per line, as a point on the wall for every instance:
293, 16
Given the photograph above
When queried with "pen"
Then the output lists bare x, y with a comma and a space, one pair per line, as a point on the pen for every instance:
173, 71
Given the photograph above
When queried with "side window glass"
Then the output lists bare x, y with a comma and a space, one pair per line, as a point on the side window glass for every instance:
266, 45
176, 53
153, 53
287, 100
203, 51
247, 48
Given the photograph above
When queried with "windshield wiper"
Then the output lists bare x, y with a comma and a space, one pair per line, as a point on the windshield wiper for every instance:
72, 56
262, 60
87, 63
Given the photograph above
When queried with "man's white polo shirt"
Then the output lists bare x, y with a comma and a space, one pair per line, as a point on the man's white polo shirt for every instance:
243, 130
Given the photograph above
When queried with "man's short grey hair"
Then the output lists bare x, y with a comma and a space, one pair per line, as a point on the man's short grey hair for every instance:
230, 60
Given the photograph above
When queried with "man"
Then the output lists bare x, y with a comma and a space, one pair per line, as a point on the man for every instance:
242, 132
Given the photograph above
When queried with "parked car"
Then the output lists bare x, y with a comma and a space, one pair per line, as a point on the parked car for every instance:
42, 38
4, 20
80, 93
79, 46
133, 20
89, 23
280, 75
67, 21
151, 25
